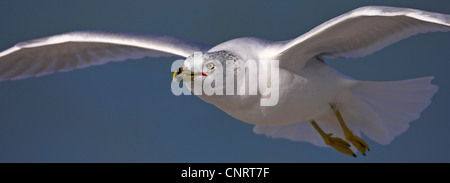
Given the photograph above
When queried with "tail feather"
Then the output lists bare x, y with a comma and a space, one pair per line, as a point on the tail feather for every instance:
396, 103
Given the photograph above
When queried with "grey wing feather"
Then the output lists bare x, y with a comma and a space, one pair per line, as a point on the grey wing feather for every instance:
359, 33
86, 48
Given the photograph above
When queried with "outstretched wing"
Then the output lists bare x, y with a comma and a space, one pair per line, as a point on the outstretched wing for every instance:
359, 33
82, 49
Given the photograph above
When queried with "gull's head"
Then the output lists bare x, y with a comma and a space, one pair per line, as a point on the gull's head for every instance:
216, 78
203, 65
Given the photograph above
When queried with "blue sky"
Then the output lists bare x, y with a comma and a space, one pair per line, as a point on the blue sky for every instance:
126, 112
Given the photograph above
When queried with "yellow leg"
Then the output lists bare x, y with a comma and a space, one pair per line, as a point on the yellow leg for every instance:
359, 143
335, 142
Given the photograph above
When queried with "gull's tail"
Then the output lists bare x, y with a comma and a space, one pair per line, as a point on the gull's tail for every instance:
395, 103
381, 110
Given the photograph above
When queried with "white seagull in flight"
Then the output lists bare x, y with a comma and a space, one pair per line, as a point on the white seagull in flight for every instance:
317, 104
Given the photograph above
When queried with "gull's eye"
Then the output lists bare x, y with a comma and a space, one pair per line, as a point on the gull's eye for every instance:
210, 66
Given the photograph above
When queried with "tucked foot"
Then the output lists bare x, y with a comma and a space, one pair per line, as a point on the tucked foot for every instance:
335, 142
338, 144
358, 142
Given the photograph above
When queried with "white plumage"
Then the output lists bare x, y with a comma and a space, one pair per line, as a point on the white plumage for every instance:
381, 110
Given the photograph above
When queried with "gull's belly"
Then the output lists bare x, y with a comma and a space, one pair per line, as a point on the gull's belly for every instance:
302, 98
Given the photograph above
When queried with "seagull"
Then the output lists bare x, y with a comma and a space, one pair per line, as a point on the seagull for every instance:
317, 104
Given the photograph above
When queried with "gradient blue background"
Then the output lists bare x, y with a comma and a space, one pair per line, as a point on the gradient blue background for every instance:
125, 112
